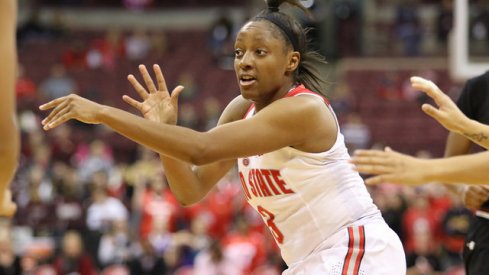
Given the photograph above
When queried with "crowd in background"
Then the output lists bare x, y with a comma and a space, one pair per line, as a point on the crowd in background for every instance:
91, 202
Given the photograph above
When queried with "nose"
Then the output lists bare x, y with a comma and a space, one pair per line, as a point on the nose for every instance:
246, 60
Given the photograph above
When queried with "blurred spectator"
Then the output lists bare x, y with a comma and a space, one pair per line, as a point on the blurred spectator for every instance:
63, 144
389, 86
34, 30
159, 43
104, 52
114, 244
97, 159
356, 133
392, 204
408, 27
347, 21
146, 261
243, 247
159, 236
221, 39
418, 220
74, 57
188, 116
444, 22
455, 224
70, 212
154, 202
10, 263
25, 89
101, 212
103, 209
137, 45
423, 260
212, 112
341, 99
219, 206
58, 84
35, 204
479, 28
73, 259
211, 261
187, 80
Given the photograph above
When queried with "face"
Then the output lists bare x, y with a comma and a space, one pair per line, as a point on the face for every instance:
263, 64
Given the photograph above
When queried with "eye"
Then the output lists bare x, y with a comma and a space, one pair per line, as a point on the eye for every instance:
261, 52
238, 53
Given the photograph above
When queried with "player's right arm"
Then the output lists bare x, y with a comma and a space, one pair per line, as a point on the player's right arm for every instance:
9, 144
191, 183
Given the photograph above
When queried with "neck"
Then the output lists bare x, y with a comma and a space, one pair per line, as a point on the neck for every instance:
280, 93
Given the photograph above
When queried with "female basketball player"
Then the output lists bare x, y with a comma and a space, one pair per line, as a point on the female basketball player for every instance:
292, 159
9, 140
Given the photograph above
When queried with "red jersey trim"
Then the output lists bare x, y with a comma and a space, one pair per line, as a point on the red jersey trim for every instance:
303, 90
296, 91
249, 110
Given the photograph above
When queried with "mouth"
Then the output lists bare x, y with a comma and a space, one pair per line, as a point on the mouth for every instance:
246, 80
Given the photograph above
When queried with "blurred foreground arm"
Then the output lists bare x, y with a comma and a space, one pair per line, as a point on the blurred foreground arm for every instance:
9, 143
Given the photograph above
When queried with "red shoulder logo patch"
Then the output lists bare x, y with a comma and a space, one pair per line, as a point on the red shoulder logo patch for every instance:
246, 162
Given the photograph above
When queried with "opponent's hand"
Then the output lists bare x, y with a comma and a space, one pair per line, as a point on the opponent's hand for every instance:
158, 104
474, 196
7, 206
389, 166
447, 113
70, 107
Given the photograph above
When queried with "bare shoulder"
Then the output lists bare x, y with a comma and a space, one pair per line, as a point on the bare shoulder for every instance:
309, 117
235, 110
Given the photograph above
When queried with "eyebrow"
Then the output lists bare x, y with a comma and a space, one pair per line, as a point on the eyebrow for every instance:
257, 39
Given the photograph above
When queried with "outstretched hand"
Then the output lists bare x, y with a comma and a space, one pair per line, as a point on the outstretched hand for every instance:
389, 167
447, 113
157, 103
70, 107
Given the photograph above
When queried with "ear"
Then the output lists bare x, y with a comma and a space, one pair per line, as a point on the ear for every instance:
294, 59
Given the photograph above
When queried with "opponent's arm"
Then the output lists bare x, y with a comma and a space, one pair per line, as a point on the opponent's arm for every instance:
462, 131
449, 115
9, 144
394, 167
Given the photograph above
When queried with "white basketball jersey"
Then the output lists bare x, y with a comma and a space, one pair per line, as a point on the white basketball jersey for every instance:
304, 198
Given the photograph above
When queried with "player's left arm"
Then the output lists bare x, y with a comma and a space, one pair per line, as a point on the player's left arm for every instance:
286, 122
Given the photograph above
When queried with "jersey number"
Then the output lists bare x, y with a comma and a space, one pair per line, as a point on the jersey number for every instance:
279, 237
